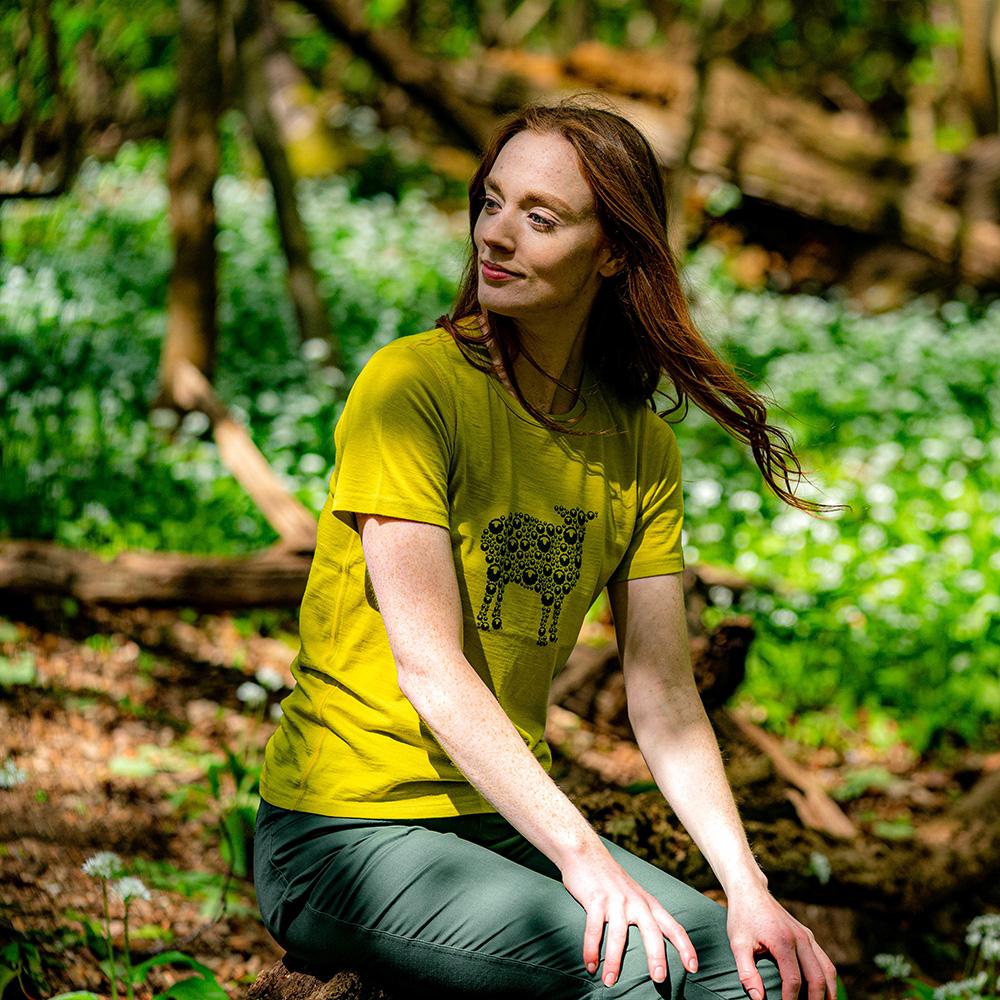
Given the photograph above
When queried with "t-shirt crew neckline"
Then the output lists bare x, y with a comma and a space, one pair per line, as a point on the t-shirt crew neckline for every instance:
587, 388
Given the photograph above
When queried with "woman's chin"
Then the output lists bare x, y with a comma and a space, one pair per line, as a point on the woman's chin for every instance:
496, 304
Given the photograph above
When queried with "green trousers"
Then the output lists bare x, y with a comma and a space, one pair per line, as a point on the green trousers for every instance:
463, 905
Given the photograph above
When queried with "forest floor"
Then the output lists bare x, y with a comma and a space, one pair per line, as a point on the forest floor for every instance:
112, 728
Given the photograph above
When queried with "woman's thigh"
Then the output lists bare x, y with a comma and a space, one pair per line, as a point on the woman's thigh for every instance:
702, 918
463, 905
425, 908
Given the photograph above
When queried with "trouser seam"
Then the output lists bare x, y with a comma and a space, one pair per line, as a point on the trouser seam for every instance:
707, 990
451, 949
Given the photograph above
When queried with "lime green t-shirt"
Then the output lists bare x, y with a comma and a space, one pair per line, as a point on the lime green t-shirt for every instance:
540, 522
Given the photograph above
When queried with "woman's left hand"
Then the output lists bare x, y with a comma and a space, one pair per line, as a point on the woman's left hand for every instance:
756, 922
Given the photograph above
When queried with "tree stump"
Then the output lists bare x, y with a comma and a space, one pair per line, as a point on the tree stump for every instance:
290, 980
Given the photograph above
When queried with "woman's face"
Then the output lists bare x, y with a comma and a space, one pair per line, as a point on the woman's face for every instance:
538, 222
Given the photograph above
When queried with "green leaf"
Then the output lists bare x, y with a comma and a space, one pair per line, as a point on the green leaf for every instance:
19, 671
7, 976
131, 767
195, 988
638, 787
236, 766
77, 995
140, 971
895, 829
921, 989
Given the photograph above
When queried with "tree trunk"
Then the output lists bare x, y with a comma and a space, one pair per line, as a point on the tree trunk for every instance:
191, 173
976, 18
248, 22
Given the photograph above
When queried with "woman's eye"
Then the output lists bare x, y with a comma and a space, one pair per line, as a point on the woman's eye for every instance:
491, 203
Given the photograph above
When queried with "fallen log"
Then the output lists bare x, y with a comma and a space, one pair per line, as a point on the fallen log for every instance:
273, 576
840, 168
815, 808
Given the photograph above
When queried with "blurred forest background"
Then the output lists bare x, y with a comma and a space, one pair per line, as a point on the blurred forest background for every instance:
212, 214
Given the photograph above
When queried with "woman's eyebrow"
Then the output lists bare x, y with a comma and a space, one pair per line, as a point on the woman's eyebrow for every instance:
539, 197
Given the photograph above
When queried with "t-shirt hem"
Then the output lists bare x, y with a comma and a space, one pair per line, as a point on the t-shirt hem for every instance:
344, 502
435, 806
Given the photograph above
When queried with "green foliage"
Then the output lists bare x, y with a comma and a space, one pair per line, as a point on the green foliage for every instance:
201, 986
841, 53
21, 670
21, 962
884, 615
890, 608
979, 980
235, 784
132, 47
81, 323
107, 868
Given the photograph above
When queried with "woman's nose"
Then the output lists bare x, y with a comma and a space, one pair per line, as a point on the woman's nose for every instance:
495, 230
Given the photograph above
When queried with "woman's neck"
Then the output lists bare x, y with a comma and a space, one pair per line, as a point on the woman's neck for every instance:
560, 358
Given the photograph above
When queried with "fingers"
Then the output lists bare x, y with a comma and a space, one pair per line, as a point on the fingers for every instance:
654, 924
811, 969
829, 971
592, 938
656, 956
671, 929
798, 960
614, 945
750, 978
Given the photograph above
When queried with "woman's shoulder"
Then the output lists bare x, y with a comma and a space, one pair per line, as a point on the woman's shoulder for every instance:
415, 354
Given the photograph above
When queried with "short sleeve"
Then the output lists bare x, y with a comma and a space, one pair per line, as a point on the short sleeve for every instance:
655, 547
393, 441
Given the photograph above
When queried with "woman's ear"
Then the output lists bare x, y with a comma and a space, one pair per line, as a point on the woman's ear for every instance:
617, 259
613, 266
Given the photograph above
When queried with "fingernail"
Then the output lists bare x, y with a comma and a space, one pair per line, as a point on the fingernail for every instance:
592, 967
658, 973
693, 967
754, 995
609, 979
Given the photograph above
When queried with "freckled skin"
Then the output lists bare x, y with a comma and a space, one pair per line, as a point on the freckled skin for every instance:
561, 257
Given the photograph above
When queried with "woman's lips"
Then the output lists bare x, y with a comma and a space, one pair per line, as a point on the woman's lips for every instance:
495, 274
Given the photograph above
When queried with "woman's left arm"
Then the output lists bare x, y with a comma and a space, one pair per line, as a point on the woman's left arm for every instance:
679, 745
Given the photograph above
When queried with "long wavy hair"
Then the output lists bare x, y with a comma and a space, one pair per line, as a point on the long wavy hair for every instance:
639, 332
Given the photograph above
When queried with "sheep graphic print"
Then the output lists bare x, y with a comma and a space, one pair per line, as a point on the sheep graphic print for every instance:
541, 556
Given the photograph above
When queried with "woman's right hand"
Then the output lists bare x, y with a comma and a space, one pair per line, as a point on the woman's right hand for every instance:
609, 895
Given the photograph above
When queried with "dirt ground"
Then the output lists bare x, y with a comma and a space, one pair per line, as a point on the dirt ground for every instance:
113, 733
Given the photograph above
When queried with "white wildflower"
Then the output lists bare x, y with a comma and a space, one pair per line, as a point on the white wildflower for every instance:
129, 889
276, 712
103, 864
819, 865
961, 987
894, 966
985, 927
11, 775
270, 678
251, 694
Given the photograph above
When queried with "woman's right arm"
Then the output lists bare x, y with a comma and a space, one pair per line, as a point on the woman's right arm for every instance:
413, 575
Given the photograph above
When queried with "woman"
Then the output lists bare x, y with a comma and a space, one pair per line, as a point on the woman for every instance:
493, 476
